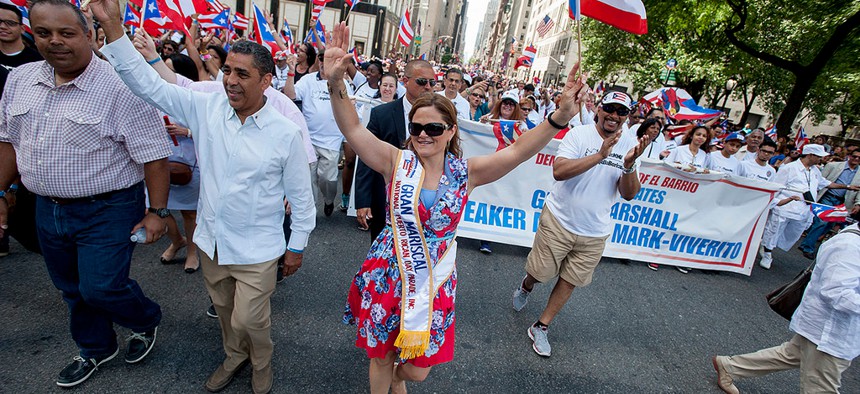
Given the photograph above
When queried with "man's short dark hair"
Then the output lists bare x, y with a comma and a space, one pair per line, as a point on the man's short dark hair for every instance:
454, 71
16, 10
82, 19
529, 87
262, 57
655, 109
767, 142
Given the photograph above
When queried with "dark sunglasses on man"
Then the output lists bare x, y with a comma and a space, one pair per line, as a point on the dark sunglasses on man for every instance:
614, 108
431, 129
425, 81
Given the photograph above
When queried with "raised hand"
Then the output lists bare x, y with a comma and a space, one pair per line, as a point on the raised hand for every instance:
636, 151
337, 60
145, 45
573, 94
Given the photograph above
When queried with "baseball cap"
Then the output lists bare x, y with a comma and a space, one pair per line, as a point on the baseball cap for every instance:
511, 95
467, 78
735, 137
616, 97
815, 149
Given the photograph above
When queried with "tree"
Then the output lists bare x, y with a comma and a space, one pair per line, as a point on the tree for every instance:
803, 41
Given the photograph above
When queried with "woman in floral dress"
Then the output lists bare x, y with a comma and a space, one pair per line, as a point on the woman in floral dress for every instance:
375, 301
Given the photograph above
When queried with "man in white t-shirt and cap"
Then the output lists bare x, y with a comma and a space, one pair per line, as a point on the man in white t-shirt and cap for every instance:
802, 180
724, 161
595, 164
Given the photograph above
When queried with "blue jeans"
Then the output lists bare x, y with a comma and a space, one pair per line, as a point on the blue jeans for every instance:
88, 254
819, 227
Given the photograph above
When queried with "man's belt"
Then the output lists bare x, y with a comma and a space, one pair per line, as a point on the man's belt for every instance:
102, 196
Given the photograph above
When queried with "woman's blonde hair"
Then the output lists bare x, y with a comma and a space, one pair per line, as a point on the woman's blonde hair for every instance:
449, 115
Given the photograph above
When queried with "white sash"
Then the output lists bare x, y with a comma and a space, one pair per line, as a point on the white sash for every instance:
420, 278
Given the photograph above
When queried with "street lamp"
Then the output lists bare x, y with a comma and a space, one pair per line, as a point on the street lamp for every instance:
730, 85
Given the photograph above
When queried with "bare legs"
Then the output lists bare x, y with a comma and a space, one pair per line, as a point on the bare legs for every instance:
189, 221
384, 375
559, 296
177, 241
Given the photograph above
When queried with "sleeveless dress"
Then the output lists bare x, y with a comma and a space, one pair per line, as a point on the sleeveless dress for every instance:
373, 303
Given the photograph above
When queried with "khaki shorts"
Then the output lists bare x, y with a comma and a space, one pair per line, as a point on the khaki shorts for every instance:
558, 252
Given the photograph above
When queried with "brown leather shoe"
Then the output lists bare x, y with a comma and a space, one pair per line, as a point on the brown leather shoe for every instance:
724, 380
221, 378
261, 380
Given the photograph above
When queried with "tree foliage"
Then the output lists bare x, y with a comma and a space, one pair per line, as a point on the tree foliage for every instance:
791, 56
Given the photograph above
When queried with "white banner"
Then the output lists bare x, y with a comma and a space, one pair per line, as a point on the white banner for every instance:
703, 221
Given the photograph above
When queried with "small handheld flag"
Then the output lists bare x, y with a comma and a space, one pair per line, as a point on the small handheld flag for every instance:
827, 213
771, 132
800, 139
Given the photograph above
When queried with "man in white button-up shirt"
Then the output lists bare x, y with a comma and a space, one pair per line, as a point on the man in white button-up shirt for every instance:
825, 324
250, 158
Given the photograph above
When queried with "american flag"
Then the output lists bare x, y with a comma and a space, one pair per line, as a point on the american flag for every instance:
545, 26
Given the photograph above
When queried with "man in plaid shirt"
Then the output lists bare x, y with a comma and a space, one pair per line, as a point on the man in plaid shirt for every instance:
84, 144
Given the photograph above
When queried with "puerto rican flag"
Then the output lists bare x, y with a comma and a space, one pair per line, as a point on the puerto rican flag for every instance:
214, 21
287, 35
352, 3
262, 34
240, 21
406, 33
527, 58
506, 132
131, 17
319, 5
771, 132
355, 57
627, 15
826, 213
800, 139
318, 33
679, 105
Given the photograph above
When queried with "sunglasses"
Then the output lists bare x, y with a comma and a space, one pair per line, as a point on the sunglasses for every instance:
425, 81
431, 129
609, 108
477, 95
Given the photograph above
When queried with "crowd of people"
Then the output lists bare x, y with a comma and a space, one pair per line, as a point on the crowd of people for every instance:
113, 130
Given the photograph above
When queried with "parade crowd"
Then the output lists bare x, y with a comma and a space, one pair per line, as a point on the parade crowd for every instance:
107, 133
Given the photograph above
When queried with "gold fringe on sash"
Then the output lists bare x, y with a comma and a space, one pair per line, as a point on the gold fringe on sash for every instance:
412, 343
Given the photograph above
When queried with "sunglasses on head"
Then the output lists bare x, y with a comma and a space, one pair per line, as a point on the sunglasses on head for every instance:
431, 129
425, 81
620, 110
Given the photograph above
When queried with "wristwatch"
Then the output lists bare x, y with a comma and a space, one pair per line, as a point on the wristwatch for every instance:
160, 212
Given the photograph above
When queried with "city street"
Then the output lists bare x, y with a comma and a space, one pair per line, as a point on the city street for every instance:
631, 331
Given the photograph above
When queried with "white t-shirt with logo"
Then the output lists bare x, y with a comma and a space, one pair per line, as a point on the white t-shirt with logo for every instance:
718, 162
460, 103
685, 157
582, 203
751, 170
316, 106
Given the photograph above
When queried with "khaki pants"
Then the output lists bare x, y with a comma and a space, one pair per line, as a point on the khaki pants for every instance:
819, 371
241, 295
558, 252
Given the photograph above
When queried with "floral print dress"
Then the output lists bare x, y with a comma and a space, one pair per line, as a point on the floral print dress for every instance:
373, 303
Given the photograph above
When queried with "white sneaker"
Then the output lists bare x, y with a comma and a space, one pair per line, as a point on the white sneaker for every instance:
540, 342
766, 259
521, 298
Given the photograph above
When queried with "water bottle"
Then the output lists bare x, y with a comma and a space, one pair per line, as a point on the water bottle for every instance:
139, 236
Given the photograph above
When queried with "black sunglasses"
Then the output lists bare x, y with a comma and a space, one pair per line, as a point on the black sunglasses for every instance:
620, 110
431, 129
425, 81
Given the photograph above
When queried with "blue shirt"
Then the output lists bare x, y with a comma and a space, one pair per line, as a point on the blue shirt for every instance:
845, 179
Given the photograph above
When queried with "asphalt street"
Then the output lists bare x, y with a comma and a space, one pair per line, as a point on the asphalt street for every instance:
631, 331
